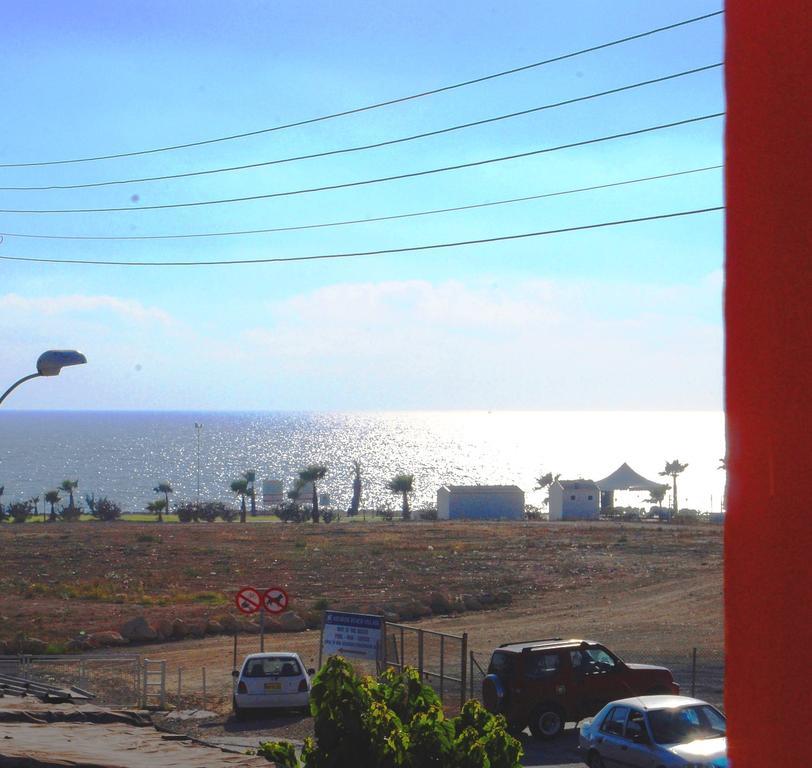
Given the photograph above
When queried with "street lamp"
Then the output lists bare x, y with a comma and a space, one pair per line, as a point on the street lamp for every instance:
49, 363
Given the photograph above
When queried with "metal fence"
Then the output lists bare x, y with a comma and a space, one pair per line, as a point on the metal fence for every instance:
440, 658
113, 680
700, 673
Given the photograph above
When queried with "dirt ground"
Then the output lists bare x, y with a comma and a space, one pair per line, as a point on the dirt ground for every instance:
645, 582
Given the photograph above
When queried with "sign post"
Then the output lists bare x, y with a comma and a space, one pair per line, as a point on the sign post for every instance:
250, 600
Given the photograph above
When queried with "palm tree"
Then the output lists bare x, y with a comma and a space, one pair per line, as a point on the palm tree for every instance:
165, 489
35, 501
404, 485
2, 512
240, 487
250, 476
69, 486
312, 474
157, 507
672, 469
355, 502
723, 465
545, 481
656, 495
52, 497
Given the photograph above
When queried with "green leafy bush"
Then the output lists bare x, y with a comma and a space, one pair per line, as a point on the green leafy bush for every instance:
394, 721
20, 511
106, 510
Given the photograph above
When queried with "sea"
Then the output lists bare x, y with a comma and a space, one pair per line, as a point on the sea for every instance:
124, 455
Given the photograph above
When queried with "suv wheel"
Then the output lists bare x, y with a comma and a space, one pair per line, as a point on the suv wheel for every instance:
547, 721
595, 761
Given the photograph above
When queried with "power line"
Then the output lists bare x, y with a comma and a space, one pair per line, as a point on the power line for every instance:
367, 220
363, 147
351, 254
379, 180
376, 105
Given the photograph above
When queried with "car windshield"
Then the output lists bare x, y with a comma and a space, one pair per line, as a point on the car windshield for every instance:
273, 667
501, 664
678, 726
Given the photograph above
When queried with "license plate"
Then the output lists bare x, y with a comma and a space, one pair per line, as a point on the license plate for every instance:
273, 686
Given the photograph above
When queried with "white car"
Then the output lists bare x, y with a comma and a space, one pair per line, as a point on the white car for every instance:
268, 680
656, 732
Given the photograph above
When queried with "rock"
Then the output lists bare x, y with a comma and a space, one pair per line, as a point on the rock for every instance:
248, 627
107, 639
164, 629
77, 644
291, 622
190, 714
214, 627
471, 603
486, 598
391, 617
440, 602
503, 598
138, 630
459, 604
229, 624
313, 619
196, 629
27, 645
179, 629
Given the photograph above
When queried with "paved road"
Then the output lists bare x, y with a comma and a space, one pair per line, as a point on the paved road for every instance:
559, 753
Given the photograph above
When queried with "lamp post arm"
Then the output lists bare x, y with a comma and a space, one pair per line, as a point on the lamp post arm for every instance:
17, 384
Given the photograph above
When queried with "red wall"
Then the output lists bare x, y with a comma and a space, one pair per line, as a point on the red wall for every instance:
768, 535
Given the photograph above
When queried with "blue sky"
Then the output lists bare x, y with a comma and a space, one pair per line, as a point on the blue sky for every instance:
622, 318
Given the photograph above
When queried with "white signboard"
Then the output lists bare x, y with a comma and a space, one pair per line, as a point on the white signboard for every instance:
352, 635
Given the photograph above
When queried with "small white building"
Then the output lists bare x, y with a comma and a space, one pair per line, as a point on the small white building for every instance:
574, 500
480, 502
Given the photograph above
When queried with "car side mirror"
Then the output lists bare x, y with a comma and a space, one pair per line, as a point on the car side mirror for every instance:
311, 671
639, 737
235, 673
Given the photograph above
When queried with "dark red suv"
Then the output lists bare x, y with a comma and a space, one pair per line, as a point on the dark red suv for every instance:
546, 683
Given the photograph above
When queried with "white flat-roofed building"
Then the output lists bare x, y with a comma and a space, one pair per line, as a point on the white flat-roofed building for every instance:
480, 502
574, 500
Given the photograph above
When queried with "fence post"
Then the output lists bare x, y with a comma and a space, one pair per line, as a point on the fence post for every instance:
144, 676
420, 653
442, 665
693, 673
179, 679
204, 687
463, 667
163, 685
471, 676
402, 651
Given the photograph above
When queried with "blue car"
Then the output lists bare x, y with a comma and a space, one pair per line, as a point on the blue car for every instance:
655, 732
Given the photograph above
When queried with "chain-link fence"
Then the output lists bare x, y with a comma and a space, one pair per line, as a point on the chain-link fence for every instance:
112, 680
699, 673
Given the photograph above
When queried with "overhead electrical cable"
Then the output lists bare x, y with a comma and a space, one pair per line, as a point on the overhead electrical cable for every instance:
376, 105
351, 254
363, 147
363, 182
366, 220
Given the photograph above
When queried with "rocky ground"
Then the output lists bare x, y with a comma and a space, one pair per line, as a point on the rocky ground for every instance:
133, 584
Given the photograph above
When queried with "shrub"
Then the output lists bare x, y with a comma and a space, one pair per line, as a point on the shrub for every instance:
394, 722
20, 511
427, 514
187, 512
70, 514
106, 510
291, 513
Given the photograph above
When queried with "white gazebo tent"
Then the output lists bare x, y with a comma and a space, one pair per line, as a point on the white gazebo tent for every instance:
624, 478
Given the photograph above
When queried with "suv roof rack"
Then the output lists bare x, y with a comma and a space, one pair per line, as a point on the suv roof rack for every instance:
533, 642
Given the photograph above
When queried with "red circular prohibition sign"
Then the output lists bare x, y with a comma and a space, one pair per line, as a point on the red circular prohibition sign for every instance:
248, 600
275, 600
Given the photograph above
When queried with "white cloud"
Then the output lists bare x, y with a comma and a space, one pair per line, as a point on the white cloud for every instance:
547, 344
